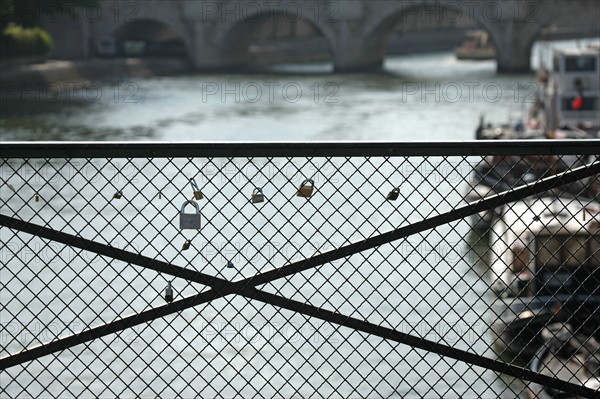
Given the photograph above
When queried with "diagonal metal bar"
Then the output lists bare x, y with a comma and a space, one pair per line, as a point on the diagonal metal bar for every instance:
226, 287
110, 328
417, 342
112, 252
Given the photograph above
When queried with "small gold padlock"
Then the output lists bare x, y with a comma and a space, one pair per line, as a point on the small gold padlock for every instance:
186, 245
257, 196
118, 195
197, 193
393, 195
306, 188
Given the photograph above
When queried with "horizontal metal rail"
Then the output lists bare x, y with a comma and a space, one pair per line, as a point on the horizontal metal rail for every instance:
291, 149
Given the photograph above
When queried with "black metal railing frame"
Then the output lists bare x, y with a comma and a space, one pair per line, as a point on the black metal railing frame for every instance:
247, 286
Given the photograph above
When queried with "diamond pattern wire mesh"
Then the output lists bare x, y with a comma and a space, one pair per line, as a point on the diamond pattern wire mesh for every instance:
472, 284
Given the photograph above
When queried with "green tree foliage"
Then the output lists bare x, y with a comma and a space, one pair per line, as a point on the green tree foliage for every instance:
18, 41
20, 21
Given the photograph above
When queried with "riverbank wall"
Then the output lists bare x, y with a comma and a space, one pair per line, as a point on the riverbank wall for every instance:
94, 70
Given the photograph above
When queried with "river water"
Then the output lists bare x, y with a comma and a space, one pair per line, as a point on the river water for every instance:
421, 97
418, 97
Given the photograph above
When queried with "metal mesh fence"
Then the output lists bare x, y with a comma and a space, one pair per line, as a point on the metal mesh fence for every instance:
325, 270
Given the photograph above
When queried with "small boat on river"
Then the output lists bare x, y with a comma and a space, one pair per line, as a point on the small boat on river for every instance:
476, 47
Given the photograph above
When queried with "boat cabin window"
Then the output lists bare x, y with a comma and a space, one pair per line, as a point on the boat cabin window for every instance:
580, 64
587, 104
548, 252
576, 251
567, 265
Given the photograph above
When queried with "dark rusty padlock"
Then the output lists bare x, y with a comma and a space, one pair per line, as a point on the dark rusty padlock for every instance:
118, 195
197, 193
257, 196
169, 293
306, 188
393, 195
186, 245
189, 221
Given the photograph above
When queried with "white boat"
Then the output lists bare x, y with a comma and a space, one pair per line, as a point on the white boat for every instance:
571, 93
567, 103
545, 269
528, 235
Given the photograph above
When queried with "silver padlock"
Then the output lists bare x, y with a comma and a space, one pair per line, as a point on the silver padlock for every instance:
306, 188
257, 196
189, 221
197, 193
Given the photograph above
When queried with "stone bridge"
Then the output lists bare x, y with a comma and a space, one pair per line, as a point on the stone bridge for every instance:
216, 34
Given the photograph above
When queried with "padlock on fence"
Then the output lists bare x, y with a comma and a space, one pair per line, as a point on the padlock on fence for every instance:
186, 245
393, 195
169, 293
197, 193
118, 195
257, 196
306, 188
189, 221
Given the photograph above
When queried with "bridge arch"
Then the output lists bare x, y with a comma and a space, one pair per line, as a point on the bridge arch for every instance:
241, 34
150, 37
378, 32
